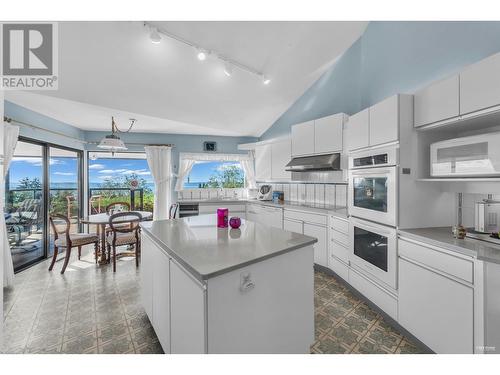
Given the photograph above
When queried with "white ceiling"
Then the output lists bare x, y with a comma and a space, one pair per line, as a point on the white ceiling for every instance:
112, 68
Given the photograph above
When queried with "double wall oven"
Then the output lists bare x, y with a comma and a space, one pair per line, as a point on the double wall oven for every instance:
373, 186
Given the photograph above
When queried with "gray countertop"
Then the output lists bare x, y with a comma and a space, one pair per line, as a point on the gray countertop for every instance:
206, 251
309, 207
442, 237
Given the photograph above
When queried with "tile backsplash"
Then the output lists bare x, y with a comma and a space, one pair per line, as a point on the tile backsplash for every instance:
188, 194
310, 193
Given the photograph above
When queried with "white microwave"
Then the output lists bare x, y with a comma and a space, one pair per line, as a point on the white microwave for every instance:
477, 155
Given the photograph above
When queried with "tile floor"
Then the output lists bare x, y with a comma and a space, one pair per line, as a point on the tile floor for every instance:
345, 324
91, 310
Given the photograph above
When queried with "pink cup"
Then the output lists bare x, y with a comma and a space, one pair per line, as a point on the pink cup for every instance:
222, 217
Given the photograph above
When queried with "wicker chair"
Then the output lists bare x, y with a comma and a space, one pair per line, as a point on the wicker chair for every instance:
120, 235
62, 238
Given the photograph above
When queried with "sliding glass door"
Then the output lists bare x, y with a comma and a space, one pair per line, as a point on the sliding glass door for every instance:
65, 187
24, 204
42, 179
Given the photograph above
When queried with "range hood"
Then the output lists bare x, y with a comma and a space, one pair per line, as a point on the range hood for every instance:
329, 162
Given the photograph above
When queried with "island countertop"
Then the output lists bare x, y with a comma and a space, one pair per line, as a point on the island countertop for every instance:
207, 251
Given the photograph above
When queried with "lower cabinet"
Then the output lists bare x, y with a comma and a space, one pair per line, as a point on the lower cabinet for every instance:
161, 297
436, 297
267, 215
320, 247
436, 309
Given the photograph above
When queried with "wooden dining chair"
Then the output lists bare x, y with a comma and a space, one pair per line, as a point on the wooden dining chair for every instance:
172, 212
109, 210
63, 238
120, 235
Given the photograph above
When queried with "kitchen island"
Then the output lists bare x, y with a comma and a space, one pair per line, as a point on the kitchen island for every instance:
211, 290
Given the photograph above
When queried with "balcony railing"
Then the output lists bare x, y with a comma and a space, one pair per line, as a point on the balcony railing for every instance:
99, 198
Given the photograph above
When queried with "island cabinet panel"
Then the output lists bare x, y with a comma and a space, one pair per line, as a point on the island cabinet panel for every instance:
147, 262
436, 309
187, 312
161, 297
267, 307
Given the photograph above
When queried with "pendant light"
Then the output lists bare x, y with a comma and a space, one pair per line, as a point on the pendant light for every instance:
112, 141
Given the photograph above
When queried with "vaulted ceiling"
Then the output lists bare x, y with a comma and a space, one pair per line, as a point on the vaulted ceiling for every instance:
112, 68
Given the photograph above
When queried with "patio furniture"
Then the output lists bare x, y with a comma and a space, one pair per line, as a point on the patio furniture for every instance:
24, 218
124, 235
63, 238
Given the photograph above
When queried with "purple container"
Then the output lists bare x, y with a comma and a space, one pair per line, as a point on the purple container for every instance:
235, 222
222, 217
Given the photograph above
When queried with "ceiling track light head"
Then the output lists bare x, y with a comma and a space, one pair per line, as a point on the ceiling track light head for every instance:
266, 80
201, 54
155, 36
228, 69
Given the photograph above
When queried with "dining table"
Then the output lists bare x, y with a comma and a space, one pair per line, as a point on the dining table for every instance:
102, 219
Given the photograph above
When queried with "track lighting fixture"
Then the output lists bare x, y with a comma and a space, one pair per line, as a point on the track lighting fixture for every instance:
266, 80
155, 36
228, 69
202, 55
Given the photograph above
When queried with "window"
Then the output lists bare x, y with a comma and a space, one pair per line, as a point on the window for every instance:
215, 174
124, 177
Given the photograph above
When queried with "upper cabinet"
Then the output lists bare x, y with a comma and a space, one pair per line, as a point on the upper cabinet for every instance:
359, 132
380, 123
480, 85
462, 96
280, 156
303, 138
263, 162
384, 121
320, 136
437, 102
328, 133
271, 160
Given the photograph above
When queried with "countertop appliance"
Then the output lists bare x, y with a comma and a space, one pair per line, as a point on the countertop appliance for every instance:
328, 162
487, 216
477, 155
373, 184
265, 193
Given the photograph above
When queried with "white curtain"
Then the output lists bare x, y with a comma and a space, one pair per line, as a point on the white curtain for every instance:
185, 166
11, 133
248, 166
188, 159
160, 163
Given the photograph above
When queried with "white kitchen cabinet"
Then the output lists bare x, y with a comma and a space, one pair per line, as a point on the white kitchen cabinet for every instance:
384, 121
293, 226
161, 296
147, 261
437, 102
436, 309
281, 152
303, 138
320, 247
263, 164
328, 134
266, 215
358, 133
187, 312
480, 85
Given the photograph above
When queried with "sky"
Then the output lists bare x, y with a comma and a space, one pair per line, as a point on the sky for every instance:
105, 169
65, 170
201, 172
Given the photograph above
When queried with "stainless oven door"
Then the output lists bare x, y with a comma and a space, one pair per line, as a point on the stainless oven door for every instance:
372, 194
374, 250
